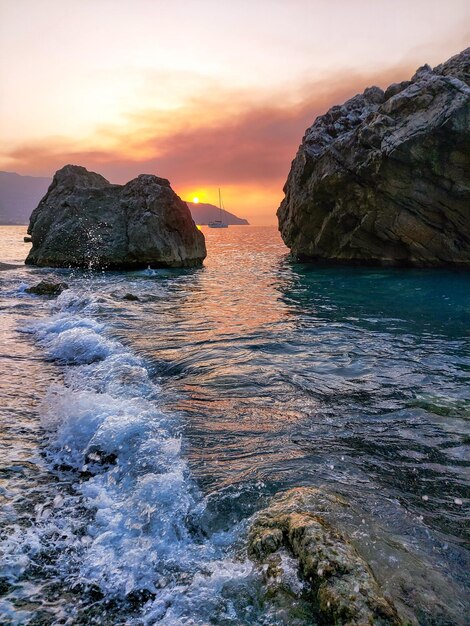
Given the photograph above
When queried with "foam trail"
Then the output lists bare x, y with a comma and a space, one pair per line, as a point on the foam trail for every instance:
125, 524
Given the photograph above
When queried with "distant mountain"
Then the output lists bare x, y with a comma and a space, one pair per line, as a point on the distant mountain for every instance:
19, 195
204, 213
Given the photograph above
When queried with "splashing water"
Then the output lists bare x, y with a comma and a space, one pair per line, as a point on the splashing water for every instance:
139, 437
126, 527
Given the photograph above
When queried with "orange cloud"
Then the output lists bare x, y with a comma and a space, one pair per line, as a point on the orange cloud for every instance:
242, 144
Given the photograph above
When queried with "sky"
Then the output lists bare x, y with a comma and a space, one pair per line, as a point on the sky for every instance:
206, 93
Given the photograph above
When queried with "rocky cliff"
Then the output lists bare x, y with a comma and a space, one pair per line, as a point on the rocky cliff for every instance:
85, 221
385, 177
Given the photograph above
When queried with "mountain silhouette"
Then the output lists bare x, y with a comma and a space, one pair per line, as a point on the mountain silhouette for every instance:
20, 195
204, 213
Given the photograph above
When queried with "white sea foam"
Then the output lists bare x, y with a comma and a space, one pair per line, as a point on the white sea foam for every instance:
12, 616
86, 302
106, 424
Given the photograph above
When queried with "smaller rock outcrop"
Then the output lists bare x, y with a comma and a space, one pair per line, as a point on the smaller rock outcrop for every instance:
85, 221
343, 589
130, 297
46, 288
384, 179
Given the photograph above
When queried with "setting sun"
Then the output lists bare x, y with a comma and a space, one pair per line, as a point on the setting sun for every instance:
222, 415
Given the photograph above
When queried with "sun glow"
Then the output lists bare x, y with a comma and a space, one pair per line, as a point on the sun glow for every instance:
195, 200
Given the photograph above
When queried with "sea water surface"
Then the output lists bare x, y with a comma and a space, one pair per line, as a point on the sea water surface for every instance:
139, 436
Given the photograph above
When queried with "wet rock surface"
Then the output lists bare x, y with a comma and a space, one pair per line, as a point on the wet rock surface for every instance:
352, 569
85, 221
47, 288
343, 588
384, 179
130, 297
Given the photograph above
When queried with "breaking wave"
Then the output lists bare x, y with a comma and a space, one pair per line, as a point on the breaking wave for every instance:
124, 527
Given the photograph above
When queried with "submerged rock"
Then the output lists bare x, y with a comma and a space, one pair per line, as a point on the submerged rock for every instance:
131, 297
85, 221
355, 568
385, 177
343, 589
45, 288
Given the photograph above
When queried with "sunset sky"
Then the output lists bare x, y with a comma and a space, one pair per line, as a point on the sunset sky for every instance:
207, 93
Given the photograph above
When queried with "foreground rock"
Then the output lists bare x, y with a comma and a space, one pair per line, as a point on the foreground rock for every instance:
85, 221
385, 177
343, 589
45, 288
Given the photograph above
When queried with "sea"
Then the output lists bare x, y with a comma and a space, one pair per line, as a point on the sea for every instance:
147, 416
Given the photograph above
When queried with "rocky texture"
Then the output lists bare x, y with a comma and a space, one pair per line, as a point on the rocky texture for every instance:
45, 288
385, 177
343, 589
85, 221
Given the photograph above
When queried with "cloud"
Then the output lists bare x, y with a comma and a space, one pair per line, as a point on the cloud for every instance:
227, 138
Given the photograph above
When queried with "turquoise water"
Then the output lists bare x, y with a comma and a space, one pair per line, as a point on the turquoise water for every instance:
139, 437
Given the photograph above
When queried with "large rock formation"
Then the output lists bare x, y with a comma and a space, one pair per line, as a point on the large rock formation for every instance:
385, 177
85, 221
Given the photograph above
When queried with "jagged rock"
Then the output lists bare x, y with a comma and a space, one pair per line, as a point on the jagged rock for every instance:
343, 587
45, 288
131, 297
85, 221
385, 177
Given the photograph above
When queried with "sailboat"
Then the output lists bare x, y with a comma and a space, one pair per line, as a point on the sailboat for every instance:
218, 223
